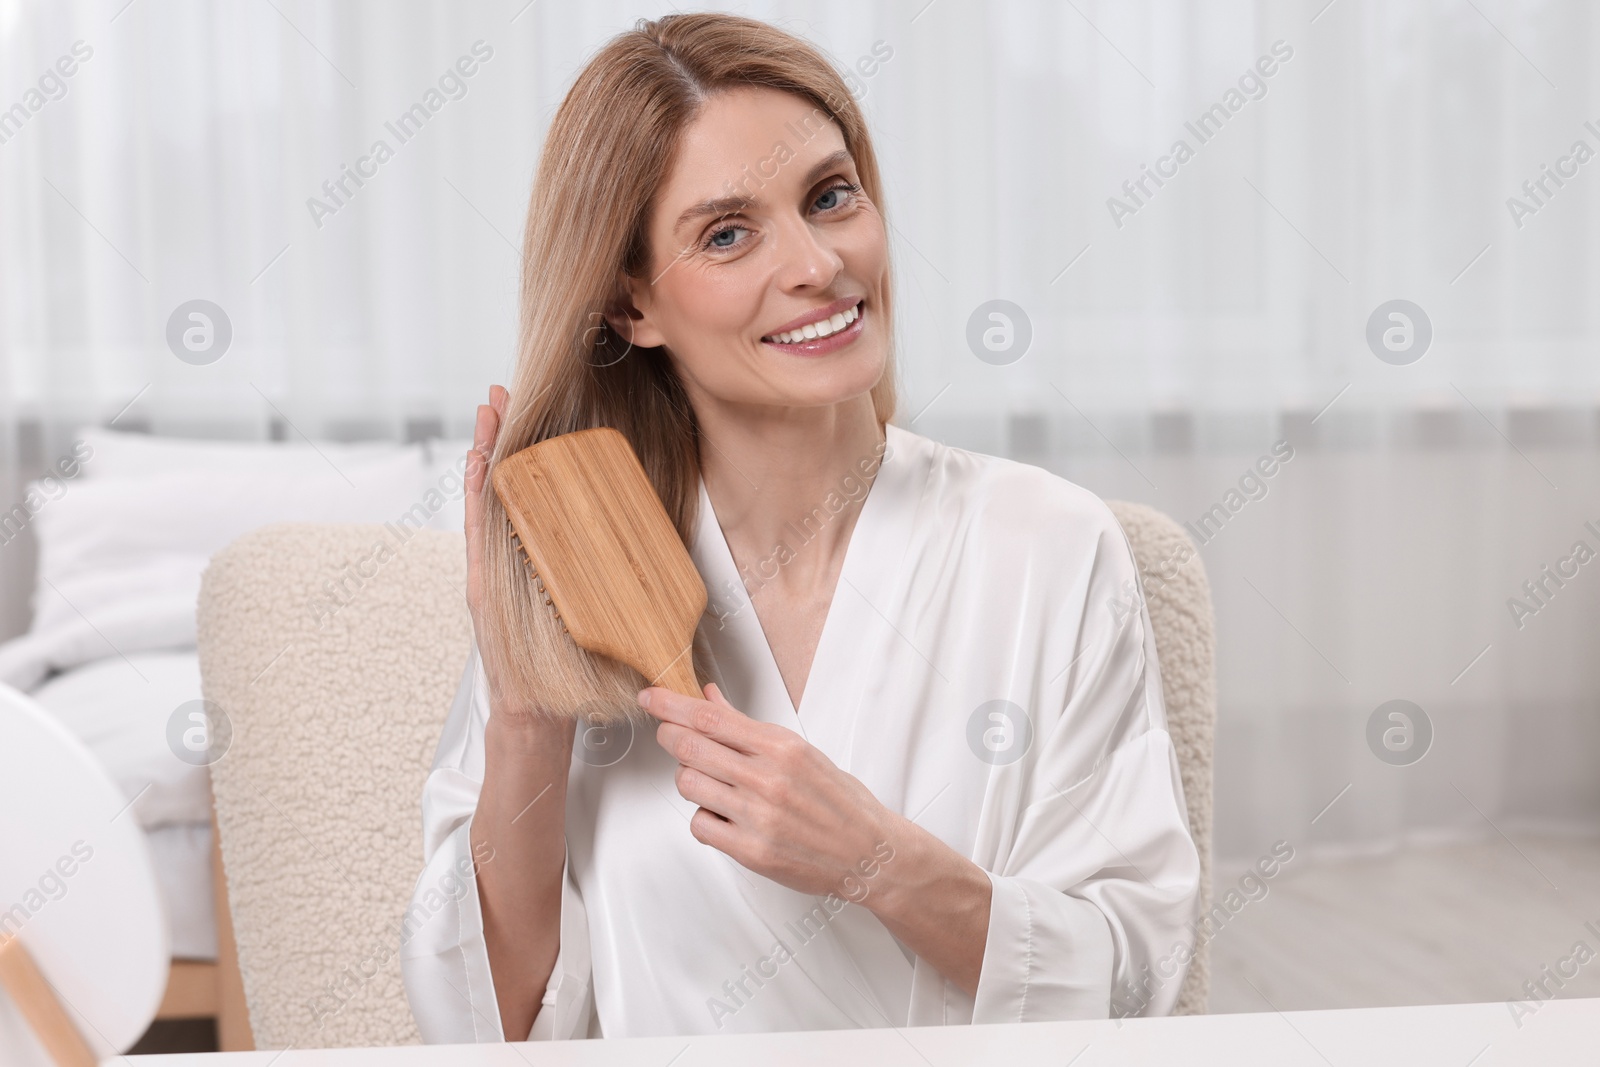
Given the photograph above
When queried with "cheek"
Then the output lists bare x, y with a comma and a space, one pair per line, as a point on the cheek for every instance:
864, 247
711, 307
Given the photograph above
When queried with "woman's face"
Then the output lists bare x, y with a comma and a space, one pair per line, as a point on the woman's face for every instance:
762, 224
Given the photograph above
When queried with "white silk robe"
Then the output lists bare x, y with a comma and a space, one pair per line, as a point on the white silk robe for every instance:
969, 580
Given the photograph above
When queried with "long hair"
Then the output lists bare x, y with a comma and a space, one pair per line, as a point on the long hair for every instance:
610, 147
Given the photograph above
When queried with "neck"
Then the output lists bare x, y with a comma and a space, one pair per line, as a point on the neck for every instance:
787, 485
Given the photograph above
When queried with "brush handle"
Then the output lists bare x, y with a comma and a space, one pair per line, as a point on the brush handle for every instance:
679, 677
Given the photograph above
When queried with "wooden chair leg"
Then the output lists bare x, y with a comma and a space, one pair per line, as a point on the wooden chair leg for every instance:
191, 991
38, 1004
233, 1014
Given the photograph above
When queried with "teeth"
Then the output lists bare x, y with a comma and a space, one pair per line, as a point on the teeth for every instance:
818, 329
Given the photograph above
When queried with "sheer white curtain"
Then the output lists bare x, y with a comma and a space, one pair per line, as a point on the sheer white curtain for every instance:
1339, 156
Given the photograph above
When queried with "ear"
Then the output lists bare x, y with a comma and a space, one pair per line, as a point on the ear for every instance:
630, 314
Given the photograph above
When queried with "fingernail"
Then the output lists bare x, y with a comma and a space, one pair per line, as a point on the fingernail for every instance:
644, 698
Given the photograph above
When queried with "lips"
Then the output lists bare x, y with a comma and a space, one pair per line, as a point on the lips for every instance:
822, 345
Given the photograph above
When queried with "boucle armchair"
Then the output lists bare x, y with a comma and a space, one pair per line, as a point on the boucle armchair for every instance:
335, 651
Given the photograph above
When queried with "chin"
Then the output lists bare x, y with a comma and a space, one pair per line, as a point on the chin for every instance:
778, 381
839, 382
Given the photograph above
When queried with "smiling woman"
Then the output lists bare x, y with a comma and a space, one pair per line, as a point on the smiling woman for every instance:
930, 685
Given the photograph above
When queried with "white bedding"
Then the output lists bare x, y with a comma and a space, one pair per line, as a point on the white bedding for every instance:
121, 551
181, 855
119, 707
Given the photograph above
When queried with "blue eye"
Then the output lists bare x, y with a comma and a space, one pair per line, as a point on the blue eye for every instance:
842, 187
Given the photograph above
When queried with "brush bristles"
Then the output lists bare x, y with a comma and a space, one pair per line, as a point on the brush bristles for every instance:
538, 582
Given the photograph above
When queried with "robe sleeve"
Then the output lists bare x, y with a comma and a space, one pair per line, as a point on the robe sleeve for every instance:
444, 961
1093, 899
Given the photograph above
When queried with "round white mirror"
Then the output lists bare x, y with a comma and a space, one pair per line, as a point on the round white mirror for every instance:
77, 891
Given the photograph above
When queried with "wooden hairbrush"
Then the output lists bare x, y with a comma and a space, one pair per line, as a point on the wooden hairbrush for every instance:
602, 550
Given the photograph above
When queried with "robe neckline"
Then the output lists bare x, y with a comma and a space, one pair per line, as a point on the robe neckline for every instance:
869, 580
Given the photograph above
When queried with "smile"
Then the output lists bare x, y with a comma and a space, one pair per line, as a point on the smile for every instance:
823, 336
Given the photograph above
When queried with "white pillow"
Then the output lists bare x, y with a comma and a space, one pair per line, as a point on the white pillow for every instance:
115, 546
121, 454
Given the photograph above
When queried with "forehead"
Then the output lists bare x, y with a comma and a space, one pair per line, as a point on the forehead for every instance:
746, 140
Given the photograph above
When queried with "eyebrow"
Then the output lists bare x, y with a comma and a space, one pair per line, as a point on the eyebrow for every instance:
729, 205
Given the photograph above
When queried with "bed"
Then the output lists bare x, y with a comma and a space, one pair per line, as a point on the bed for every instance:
110, 648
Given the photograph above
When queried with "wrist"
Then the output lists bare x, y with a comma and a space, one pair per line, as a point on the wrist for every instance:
888, 870
529, 745
922, 868
533, 729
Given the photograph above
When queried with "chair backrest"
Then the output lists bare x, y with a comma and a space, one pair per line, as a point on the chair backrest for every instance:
1179, 598
335, 651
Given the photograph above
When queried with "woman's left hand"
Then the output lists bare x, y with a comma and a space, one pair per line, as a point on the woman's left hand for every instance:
775, 804
769, 798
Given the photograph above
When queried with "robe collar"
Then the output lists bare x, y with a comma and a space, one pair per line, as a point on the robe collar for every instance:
864, 605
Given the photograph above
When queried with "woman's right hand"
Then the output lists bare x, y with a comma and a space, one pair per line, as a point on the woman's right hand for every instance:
484, 435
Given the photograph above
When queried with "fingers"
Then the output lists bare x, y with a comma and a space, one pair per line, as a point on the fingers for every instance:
721, 722
709, 828
475, 455
485, 432
713, 760
485, 429
708, 791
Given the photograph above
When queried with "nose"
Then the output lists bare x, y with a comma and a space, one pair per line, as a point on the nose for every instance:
807, 259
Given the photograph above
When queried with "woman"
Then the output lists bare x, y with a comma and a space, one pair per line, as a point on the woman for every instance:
930, 781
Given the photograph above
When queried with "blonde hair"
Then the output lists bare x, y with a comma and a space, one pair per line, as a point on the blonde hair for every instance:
610, 147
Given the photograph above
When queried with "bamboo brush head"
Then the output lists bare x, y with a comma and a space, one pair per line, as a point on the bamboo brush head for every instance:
602, 551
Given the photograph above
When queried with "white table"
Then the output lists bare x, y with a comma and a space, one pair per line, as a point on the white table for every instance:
1456, 1035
